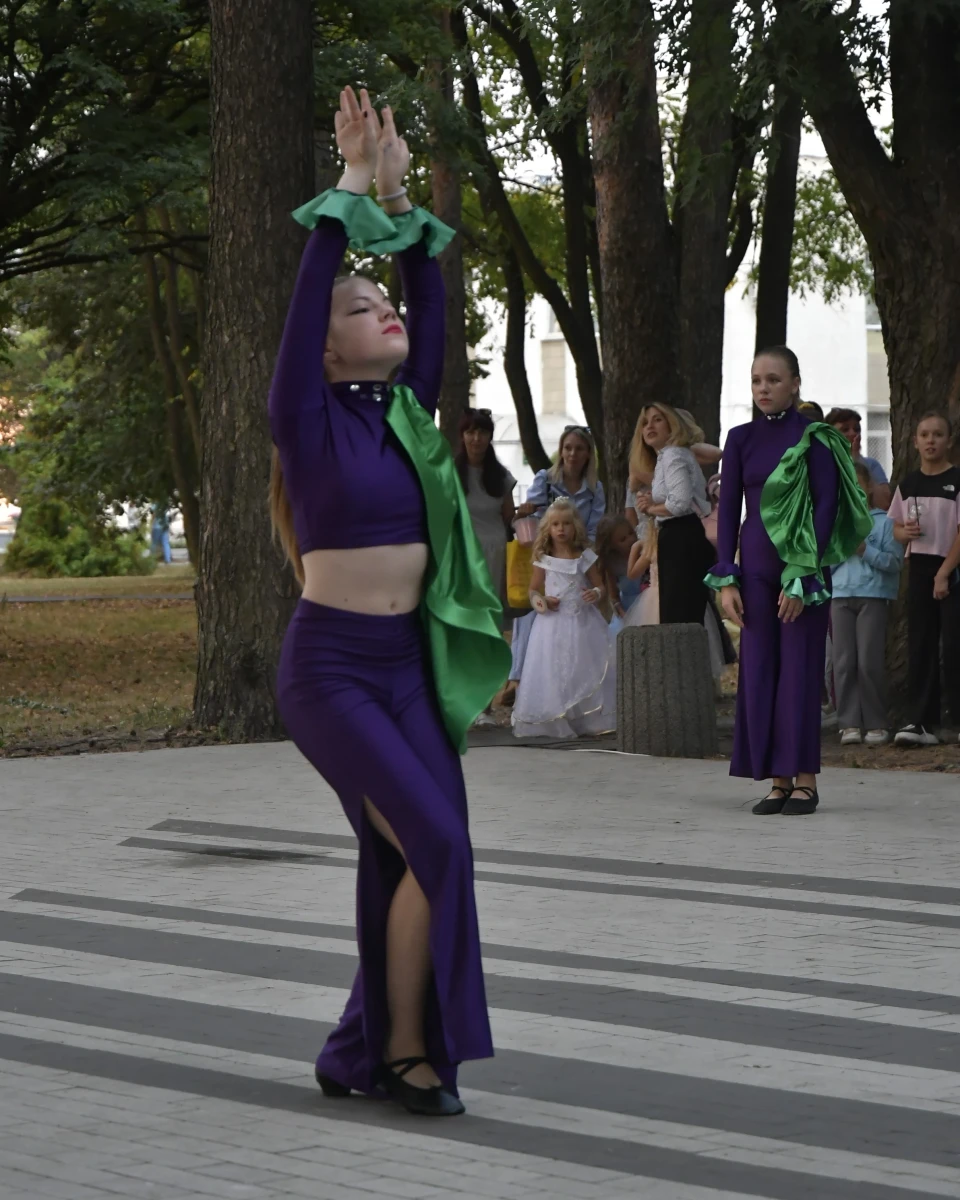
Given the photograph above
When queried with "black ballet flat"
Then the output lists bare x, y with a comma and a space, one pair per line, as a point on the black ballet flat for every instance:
330, 1088
771, 805
802, 806
433, 1101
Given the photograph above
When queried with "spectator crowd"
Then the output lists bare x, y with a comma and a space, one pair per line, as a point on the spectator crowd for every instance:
571, 576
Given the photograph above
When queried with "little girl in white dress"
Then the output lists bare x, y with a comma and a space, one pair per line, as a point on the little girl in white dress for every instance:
568, 686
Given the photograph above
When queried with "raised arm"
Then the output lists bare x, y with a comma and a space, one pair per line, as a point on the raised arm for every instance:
423, 294
298, 374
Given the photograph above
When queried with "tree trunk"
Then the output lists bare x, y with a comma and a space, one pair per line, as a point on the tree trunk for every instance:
637, 262
702, 221
514, 363
779, 213
445, 187
261, 168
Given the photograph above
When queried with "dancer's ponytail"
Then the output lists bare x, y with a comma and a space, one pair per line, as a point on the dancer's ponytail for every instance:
281, 517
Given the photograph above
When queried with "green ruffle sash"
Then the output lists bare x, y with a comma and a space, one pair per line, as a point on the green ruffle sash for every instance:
786, 509
369, 228
460, 609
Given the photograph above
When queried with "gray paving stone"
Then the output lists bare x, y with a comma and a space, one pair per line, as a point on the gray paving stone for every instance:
586, 863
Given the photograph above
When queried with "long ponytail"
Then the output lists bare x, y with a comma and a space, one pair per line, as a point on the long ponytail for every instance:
281, 517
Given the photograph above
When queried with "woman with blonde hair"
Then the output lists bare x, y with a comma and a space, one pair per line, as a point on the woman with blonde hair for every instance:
395, 646
641, 476
677, 500
568, 687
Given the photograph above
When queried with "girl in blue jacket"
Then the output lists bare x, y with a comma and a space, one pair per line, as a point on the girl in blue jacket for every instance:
863, 587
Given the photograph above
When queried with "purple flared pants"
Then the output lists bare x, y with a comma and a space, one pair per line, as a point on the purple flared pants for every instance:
357, 698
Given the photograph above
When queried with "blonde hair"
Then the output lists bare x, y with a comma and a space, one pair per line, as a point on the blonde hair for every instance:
684, 431
544, 542
555, 474
281, 517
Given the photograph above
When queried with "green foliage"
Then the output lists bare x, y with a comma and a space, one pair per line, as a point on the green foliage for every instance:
829, 254
105, 108
52, 540
83, 375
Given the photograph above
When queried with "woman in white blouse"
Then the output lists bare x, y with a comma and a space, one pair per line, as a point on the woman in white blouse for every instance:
678, 501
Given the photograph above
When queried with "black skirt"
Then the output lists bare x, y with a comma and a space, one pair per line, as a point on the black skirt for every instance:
684, 555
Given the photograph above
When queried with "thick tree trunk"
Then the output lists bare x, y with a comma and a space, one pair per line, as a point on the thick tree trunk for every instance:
446, 190
514, 363
702, 222
261, 168
455, 388
779, 214
637, 260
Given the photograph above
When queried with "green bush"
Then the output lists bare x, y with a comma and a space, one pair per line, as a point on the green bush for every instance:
52, 539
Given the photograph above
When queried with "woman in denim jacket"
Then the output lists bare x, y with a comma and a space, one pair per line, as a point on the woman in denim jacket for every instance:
863, 587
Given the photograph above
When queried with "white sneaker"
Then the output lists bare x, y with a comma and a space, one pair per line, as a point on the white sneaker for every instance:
916, 735
486, 721
877, 737
850, 737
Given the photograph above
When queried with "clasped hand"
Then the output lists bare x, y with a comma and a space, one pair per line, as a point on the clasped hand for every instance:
370, 147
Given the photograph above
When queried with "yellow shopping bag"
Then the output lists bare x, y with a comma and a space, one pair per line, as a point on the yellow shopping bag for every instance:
519, 572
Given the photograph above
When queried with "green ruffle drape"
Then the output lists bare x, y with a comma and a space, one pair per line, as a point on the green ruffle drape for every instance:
370, 229
786, 509
461, 610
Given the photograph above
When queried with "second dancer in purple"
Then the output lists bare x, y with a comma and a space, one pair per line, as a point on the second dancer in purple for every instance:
805, 513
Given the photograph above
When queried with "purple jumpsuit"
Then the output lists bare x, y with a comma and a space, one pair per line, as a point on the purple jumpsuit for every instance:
777, 731
356, 692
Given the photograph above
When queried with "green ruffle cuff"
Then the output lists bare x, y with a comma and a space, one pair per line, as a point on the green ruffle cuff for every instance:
786, 509
720, 581
370, 229
819, 595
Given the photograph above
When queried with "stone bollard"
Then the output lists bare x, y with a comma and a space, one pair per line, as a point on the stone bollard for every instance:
665, 697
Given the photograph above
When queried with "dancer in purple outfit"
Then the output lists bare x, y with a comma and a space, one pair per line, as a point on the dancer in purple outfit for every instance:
395, 646
804, 508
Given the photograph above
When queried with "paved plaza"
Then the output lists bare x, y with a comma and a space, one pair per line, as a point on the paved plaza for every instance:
688, 1002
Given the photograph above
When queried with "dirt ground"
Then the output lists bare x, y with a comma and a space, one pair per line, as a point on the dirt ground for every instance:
118, 674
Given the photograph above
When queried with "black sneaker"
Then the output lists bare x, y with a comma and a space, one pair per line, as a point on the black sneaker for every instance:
916, 735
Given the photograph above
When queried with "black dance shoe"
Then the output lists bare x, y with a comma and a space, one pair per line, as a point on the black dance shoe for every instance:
330, 1088
433, 1101
773, 804
802, 806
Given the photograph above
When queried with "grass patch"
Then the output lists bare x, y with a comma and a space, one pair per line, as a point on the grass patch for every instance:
176, 579
68, 671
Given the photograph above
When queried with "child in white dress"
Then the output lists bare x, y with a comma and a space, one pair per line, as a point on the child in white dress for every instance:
568, 686
646, 611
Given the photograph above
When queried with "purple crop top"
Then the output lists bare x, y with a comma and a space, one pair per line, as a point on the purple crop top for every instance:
349, 482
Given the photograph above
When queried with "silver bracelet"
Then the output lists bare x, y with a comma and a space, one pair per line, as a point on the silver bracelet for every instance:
393, 196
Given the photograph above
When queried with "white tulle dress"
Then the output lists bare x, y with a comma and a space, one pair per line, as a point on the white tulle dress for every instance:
646, 611
568, 686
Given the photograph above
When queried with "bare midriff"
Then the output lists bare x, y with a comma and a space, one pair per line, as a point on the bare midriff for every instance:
380, 581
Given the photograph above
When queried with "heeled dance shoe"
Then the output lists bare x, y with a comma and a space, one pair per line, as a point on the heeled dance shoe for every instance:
330, 1088
433, 1101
